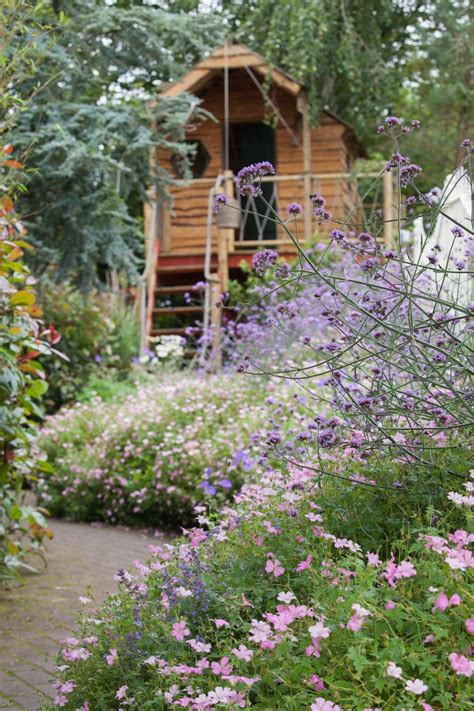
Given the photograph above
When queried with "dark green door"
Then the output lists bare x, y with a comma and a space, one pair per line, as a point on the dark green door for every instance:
252, 143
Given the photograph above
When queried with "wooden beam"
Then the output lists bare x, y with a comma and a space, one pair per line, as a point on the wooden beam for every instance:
307, 166
216, 321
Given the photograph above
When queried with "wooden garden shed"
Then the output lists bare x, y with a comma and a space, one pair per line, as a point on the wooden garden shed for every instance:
259, 113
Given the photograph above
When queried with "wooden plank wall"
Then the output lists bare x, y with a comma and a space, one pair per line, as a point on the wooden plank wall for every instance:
330, 154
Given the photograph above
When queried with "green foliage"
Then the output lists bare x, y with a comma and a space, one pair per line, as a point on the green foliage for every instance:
440, 90
99, 338
349, 55
338, 633
90, 130
22, 385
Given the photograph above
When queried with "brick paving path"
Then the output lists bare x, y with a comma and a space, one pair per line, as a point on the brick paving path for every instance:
40, 610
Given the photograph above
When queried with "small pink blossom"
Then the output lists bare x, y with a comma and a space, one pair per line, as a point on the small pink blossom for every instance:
242, 652
358, 619
323, 705
220, 623
442, 602
373, 559
461, 664
390, 605
416, 686
319, 631
122, 692
286, 597
180, 631
393, 670
111, 657
469, 625
222, 668
317, 682
275, 567
304, 564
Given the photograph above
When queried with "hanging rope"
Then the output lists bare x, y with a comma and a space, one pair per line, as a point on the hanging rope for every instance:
226, 105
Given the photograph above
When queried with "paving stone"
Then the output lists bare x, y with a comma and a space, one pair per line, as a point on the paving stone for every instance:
40, 610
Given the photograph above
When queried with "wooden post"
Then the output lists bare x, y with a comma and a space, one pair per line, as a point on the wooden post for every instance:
216, 320
306, 168
388, 209
225, 242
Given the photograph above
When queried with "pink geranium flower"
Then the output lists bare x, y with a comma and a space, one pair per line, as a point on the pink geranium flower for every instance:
220, 623
304, 564
242, 652
393, 670
469, 625
442, 602
222, 668
180, 631
416, 686
275, 567
461, 664
111, 657
358, 619
122, 692
323, 705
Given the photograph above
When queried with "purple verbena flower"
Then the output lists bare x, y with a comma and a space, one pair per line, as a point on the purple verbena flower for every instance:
337, 235
408, 173
294, 208
393, 121
247, 177
219, 200
263, 260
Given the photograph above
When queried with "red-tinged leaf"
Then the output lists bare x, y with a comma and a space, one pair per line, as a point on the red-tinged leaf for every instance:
28, 356
10, 163
52, 335
8, 148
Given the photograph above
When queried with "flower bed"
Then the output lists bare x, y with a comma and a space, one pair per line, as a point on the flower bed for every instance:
150, 458
271, 609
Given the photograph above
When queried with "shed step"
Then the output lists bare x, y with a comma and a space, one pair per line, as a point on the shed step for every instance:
173, 331
178, 269
181, 289
171, 310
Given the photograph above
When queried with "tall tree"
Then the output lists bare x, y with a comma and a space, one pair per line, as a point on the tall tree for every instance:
439, 87
89, 131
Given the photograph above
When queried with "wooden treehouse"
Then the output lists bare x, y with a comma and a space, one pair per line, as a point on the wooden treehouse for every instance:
260, 113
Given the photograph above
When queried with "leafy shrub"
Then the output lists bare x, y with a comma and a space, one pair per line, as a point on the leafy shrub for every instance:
152, 456
270, 609
99, 337
22, 384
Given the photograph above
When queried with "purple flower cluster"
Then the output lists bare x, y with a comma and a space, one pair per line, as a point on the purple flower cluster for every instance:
261, 261
248, 179
219, 200
294, 208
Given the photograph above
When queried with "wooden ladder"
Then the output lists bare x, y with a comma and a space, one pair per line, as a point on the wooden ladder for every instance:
167, 311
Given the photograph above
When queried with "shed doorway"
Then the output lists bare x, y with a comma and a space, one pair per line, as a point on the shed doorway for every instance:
252, 143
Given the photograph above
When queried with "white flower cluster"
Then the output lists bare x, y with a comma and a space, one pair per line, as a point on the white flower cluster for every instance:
167, 349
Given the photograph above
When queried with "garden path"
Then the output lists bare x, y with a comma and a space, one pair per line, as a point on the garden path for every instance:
40, 610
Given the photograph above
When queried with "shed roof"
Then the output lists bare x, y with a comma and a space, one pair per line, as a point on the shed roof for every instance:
233, 56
